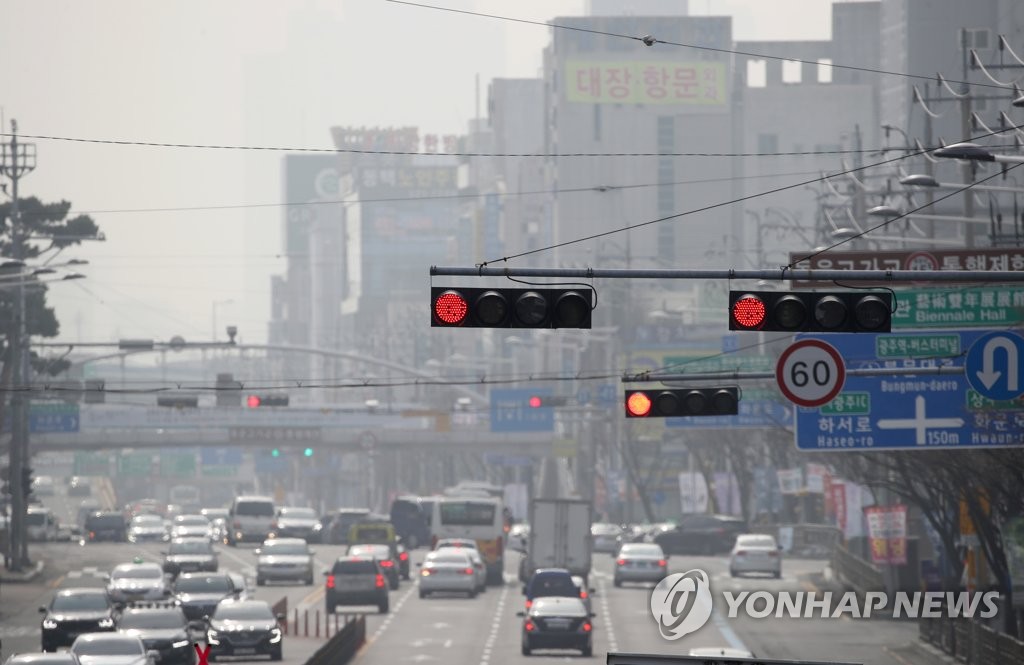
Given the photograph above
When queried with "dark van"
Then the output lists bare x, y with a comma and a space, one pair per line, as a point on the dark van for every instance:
106, 526
410, 523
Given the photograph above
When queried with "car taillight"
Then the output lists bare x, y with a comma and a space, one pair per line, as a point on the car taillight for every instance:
237, 524
425, 572
467, 571
583, 594
92, 535
529, 626
330, 581
587, 627
621, 562
662, 563
388, 563
380, 581
404, 556
529, 604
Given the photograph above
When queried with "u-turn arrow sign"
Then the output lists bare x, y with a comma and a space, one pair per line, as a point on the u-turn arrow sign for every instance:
995, 365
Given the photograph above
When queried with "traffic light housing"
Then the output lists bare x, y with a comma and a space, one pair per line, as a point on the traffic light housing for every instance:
178, 401
456, 307
541, 401
308, 452
811, 311
26, 481
260, 401
681, 402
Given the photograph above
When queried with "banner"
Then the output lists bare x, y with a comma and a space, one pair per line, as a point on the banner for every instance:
791, 481
817, 475
693, 492
838, 494
1013, 541
887, 534
727, 493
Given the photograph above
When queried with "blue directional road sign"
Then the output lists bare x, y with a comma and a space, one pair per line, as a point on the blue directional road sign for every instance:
995, 365
906, 412
51, 418
221, 456
756, 413
511, 411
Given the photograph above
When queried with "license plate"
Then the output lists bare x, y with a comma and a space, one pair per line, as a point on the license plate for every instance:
557, 624
245, 650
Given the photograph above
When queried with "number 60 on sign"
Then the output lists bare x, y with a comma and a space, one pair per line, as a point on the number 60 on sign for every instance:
810, 373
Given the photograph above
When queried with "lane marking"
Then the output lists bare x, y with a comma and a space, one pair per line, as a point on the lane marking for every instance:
485, 657
606, 614
727, 632
387, 622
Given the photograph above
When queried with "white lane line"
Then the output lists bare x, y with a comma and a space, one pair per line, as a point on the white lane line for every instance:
728, 633
391, 615
606, 615
248, 566
495, 627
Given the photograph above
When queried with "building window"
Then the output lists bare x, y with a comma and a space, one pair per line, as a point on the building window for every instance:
791, 71
757, 73
977, 38
824, 70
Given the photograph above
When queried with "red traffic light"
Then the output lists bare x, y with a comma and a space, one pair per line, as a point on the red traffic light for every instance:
252, 401
536, 402
748, 312
638, 404
451, 308
510, 308
682, 402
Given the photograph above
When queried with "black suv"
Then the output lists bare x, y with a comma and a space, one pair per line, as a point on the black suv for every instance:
199, 593
243, 627
702, 534
106, 526
356, 580
162, 627
73, 612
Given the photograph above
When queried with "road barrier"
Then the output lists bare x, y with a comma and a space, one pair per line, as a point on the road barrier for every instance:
342, 648
311, 623
970, 641
856, 572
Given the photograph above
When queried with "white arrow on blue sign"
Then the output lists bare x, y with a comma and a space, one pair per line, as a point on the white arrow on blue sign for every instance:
995, 365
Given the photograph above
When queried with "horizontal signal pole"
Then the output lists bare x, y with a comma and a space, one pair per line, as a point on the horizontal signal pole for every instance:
725, 376
775, 274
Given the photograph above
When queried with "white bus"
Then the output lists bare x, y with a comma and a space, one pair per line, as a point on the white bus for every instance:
479, 518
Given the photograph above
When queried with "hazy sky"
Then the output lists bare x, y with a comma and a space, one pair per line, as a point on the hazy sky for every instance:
244, 72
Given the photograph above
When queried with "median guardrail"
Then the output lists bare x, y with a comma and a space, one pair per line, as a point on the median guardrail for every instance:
855, 572
971, 642
342, 647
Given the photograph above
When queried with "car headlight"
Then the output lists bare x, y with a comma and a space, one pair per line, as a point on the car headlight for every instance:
318, 526
275, 635
49, 624
106, 623
180, 644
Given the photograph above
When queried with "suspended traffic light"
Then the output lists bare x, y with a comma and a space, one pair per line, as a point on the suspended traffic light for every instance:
276, 452
680, 402
539, 401
178, 401
810, 311
510, 308
258, 401
308, 452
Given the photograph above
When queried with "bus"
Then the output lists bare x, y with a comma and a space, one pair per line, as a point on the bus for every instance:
479, 518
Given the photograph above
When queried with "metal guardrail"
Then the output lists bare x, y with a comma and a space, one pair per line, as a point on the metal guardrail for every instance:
808, 540
970, 641
342, 647
856, 572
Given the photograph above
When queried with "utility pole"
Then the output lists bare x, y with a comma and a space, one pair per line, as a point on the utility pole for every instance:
16, 161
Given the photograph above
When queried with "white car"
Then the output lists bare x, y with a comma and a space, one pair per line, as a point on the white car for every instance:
640, 562
449, 569
284, 559
112, 649
605, 536
190, 526
755, 553
147, 528
455, 542
41, 524
137, 581
519, 537
43, 486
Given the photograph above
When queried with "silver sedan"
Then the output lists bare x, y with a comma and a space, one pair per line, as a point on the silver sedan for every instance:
449, 569
640, 562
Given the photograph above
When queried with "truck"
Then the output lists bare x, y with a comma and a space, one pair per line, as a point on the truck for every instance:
559, 537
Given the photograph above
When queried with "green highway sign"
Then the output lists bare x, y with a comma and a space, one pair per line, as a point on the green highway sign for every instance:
92, 464
135, 464
219, 470
959, 308
182, 465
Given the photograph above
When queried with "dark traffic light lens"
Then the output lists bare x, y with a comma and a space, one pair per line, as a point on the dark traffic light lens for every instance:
572, 310
871, 313
790, 312
830, 312
695, 402
723, 402
451, 308
531, 309
491, 308
667, 404
749, 312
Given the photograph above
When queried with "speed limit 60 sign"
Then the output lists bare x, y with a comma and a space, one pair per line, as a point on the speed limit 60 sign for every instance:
810, 373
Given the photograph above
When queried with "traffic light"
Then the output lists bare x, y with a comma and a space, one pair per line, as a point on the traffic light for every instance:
811, 311
308, 452
260, 401
679, 402
178, 401
540, 401
26, 481
510, 308
276, 452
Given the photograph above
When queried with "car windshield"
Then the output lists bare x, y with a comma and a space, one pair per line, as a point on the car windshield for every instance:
354, 567
152, 619
108, 646
137, 573
191, 547
80, 602
553, 585
243, 612
255, 509
641, 550
284, 548
304, 513
205, 584
104, 522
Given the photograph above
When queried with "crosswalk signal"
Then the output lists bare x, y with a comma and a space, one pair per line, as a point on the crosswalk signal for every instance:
510, 308
276, 452
811, 311
308, 452
680, 402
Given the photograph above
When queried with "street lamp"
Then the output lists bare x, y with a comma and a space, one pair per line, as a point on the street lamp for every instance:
924, 180
976, 153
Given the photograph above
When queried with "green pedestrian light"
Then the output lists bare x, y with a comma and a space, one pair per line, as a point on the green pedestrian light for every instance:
308, 452
276, 452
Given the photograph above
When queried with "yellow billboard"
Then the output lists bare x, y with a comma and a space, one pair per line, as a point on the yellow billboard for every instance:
646, 82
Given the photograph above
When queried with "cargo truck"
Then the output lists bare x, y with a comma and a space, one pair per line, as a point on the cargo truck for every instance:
559, 537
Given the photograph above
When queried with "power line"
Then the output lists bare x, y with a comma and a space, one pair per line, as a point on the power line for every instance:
649, 40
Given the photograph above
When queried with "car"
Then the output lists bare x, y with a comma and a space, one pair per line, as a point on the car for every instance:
43, 486
383, 555
640, 562
547, 582
341, 521
701, 534
147, 528
112, 649
68, 532
284, 559
213, 513
105, 526
605, 536
455, 542
85, 508
297, 522
190, 555
79, 486
199, 593
190, 526
137, 581
755, 553
557, 622
243, 589
244, 627
479, 567
585, 591
41, 524
72, 612
716, 652
250, 518
162, 628
59, 658
449, 569
355, 580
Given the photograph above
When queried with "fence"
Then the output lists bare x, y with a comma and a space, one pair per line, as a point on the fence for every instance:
971, 642
311, 623
856, 572
341, 648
